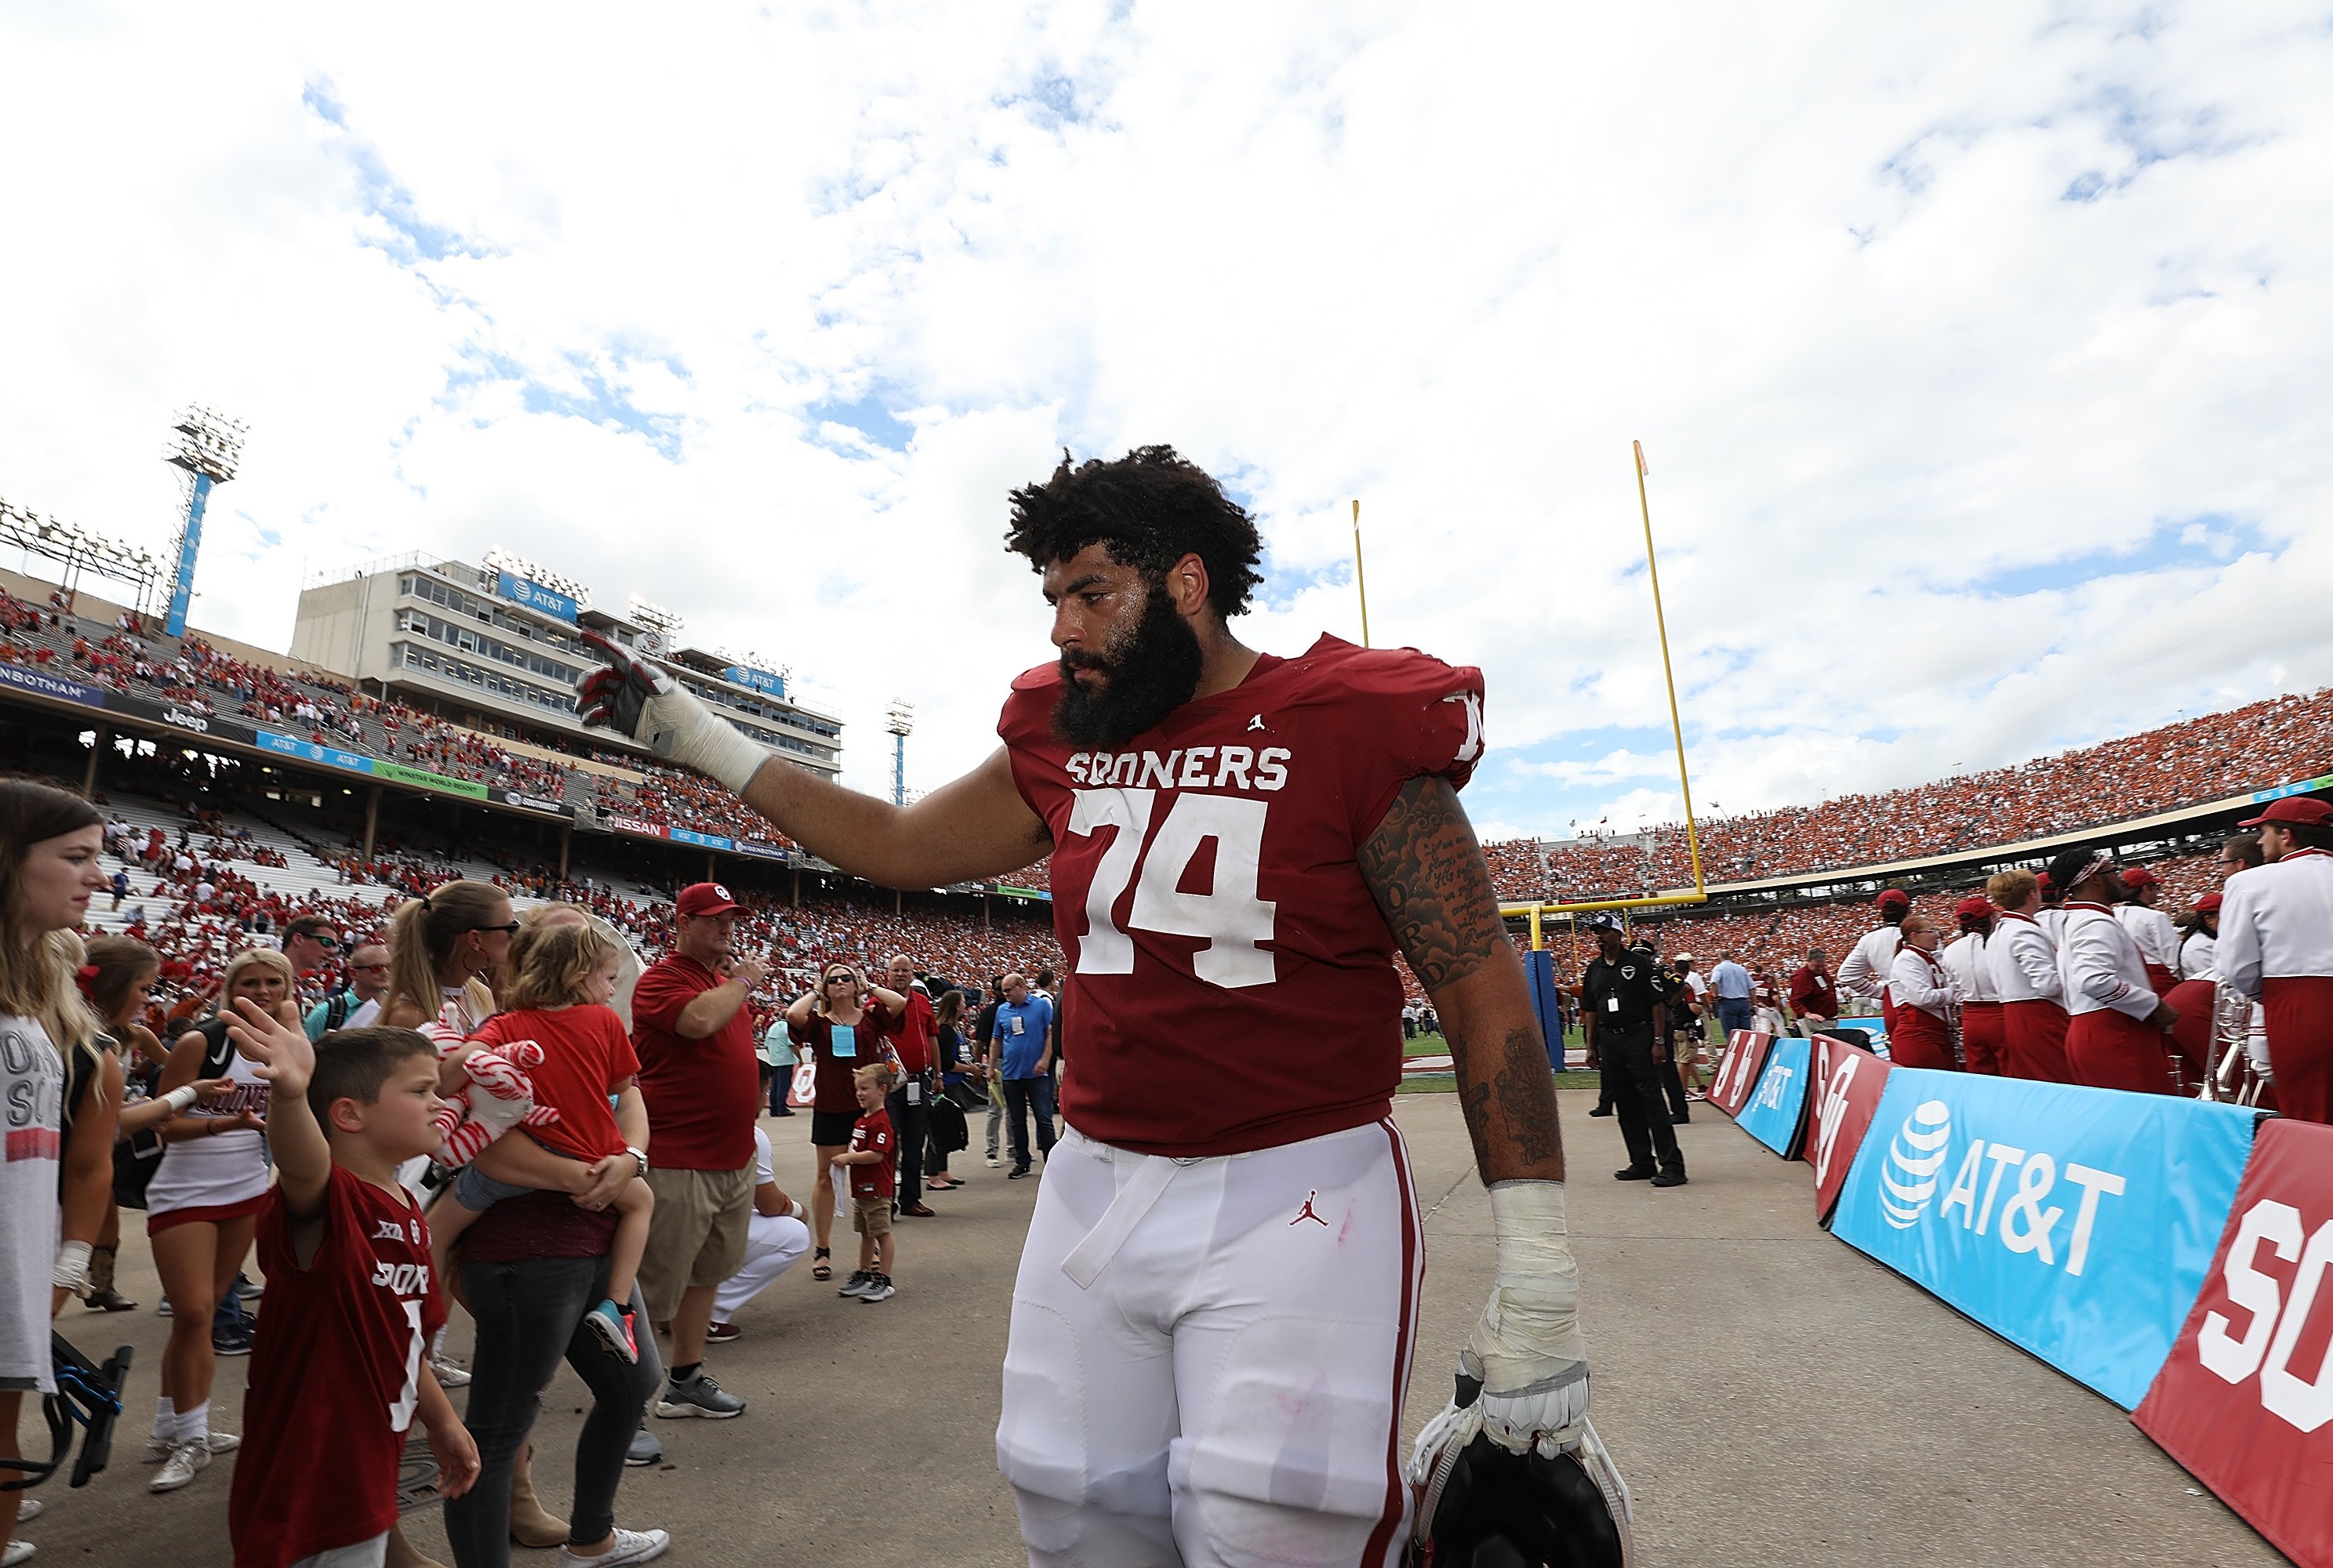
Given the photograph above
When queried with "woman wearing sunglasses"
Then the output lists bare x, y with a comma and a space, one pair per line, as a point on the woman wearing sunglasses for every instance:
443, 945
845, 1024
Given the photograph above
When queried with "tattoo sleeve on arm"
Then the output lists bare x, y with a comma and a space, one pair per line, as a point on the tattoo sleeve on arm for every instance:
1431, 884
1427, 874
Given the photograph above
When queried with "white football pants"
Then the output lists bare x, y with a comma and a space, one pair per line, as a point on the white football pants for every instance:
774, 1244
1208, 1357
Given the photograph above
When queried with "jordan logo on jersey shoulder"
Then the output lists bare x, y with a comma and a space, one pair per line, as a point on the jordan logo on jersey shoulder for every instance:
1309, 1212
1256, 722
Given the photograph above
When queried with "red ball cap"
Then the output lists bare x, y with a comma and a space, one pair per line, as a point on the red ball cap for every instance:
1895, 898
2208, 904
2139, 876
1975, 906
702, 898
2294, 808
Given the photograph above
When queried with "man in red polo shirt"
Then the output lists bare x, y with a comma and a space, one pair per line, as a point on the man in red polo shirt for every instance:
909, 1105
700, 1076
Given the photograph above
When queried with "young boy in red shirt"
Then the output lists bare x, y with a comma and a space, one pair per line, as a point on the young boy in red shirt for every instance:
337, 1367
874, 1160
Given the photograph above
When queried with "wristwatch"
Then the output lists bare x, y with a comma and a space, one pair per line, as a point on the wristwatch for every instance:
639, 1154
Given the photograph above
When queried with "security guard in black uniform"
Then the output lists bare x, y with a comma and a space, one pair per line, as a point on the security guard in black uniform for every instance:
1623, 1009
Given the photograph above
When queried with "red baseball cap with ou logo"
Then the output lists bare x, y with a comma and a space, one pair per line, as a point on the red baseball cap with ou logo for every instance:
2294, 808
703, 898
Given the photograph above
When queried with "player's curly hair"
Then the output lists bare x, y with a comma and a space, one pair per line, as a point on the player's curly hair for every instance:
1151, 508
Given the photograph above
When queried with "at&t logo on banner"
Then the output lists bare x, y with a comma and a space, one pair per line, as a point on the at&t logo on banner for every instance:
2076, 1222
1776, 1111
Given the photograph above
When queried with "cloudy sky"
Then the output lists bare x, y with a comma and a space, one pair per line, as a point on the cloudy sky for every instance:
1983, 356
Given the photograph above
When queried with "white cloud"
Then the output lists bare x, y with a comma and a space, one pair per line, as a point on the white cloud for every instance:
1898, 304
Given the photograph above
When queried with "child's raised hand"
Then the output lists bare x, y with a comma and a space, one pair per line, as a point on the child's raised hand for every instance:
286, 1060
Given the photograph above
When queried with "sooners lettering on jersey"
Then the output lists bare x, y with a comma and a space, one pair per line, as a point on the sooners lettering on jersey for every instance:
1231, 984
335, 1369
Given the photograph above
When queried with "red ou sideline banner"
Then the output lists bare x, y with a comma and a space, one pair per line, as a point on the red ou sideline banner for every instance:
1738, 1069
1844, 1091
2245, 1402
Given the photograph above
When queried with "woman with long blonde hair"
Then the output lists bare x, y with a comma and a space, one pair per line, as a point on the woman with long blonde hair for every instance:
441, 946
203, 1206
49, 864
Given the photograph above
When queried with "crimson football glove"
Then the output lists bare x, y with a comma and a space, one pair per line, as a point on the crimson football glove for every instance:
639, 699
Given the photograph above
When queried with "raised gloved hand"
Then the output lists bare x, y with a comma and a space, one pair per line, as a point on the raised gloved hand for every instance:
1526, 1354
637, 698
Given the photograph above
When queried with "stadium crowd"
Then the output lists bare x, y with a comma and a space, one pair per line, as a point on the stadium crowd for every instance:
2261, 745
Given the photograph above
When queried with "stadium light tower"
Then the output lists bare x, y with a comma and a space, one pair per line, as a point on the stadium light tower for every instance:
663, 626
209, 446
901, 724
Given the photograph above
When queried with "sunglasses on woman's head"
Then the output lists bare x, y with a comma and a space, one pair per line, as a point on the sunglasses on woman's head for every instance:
508, 927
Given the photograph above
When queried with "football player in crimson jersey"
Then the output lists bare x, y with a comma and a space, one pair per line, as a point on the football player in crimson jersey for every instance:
1212, 1327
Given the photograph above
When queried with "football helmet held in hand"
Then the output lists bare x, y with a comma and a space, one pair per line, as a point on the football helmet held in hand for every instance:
1481, 1504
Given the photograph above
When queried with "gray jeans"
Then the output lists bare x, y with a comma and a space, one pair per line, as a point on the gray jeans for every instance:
530, 1315
996, 1115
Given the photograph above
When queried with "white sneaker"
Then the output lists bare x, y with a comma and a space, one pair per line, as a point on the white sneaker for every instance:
17, 1552
994, 1162
449, 1375
30, 1508
631, 1546
158, 1449
186, 1461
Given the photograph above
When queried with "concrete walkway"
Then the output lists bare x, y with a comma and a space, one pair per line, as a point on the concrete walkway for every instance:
1772, 1396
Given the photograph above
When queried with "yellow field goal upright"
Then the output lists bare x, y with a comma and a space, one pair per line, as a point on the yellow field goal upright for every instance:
1537, 912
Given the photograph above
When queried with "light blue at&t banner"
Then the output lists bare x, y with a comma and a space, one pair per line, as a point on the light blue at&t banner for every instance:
534, 595
1773, 1114
760, 680
2078, 1223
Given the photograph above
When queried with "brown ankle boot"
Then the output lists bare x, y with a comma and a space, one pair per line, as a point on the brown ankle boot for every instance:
402, 1553
102, 1296
531, 1524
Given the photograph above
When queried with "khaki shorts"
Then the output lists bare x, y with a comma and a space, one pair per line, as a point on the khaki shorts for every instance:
870, 1216
696, 1237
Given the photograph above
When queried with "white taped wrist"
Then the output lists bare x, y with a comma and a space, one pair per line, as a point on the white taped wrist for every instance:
179, 1098
71, 1271
679, 727
1530, 1332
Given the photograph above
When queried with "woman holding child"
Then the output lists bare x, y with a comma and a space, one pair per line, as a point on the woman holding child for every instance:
547, 1241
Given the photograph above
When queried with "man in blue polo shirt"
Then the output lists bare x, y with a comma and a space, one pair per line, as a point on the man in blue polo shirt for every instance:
1731, 981
1021, 1052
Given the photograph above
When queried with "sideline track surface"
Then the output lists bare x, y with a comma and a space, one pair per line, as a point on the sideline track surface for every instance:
1773, 1396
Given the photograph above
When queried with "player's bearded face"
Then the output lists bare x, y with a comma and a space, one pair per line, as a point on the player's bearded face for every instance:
1142, 673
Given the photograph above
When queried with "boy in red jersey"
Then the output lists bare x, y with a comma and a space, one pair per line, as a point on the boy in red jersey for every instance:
337, 1367
874, 1160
